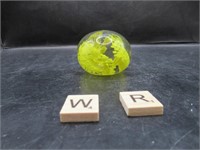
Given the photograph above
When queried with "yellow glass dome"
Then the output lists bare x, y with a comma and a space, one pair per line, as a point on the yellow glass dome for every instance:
104, 53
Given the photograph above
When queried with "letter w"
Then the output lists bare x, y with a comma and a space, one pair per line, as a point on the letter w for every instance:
81, 100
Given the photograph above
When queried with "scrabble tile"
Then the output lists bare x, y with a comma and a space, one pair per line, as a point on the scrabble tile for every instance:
80, 108
140, 103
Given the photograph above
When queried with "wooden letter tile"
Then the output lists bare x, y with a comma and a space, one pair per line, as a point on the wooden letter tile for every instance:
80, 108
140, 103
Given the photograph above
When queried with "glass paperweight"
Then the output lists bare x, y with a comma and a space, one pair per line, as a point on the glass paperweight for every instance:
104, 53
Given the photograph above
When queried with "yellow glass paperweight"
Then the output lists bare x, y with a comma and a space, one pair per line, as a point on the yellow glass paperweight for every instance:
104, 53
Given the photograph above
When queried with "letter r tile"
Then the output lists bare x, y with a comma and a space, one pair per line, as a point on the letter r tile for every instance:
80, 108
140, 103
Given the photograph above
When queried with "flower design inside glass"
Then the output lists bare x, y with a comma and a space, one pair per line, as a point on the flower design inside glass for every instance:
104, 53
